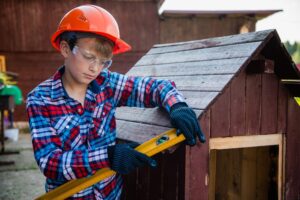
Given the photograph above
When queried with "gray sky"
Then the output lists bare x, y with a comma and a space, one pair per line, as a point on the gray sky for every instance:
287, 22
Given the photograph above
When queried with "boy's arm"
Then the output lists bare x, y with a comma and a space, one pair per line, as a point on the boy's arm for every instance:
52, 160
144, 91
149, 92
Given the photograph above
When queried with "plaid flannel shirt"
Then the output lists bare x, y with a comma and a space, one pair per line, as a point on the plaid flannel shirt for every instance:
70, 140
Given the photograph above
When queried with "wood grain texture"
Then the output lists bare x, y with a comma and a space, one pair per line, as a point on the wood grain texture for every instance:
150, 116
200, 82
269, 103
197, 161
223, 52
253, 104
210, 42
220, 115
206, 67
138, 132
238, 105
292, 177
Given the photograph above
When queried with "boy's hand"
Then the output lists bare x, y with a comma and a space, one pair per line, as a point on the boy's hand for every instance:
124, 159
185, 121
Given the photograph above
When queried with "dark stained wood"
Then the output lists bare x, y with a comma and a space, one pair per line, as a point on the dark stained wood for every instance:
256, 67
269, 104
292, 177
201, 82
220, 115
282, 108
238, 105
130, 183
223, 52
224, 66
156, 178
150, 116
210, 42
143, 184
197, 162
173, 174
253, 104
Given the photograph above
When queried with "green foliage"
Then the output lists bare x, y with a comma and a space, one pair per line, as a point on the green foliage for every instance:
294, 50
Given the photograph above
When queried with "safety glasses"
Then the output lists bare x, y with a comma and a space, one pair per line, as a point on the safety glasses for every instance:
91, 59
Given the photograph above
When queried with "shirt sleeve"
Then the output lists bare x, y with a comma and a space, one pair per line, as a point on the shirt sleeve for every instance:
144, 91
51, 159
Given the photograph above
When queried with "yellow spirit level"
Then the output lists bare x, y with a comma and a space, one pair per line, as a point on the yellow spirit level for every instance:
150, 148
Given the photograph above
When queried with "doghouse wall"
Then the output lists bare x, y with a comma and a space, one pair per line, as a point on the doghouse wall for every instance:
252, 104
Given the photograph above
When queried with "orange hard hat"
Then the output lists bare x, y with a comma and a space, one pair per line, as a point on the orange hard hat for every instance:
91, 19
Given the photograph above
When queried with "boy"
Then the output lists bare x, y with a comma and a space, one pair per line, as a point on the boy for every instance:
72, 114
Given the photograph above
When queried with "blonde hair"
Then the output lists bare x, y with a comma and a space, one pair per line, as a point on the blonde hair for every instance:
104, 45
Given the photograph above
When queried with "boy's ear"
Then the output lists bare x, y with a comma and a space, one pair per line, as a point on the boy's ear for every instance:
64, 49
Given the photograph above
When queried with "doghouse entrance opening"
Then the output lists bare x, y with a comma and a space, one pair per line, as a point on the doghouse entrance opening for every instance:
247, 173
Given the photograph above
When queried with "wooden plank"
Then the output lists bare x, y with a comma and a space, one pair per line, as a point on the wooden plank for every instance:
198, 99
228, 175
225, 66
211, 42
238, 105
151, 116
292, 177
282, 108
130, 183
248, 182
220, 115
212, 174
138, 132
196, 180
245, 141
262, 172
156, 178
223, 52
201, 82
171, 176
142, 189
253, 104
269, 103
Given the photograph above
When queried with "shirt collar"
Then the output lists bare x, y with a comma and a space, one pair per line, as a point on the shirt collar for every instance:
94, 87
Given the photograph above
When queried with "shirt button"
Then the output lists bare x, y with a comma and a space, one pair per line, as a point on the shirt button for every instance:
67, 126
79, 110
103, 113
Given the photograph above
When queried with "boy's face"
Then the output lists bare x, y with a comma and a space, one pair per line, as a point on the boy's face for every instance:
83, 64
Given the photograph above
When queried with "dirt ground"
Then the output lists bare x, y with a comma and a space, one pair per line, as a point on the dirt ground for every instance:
21, 180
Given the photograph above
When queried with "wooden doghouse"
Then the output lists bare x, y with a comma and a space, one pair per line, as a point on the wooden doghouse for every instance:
249, 116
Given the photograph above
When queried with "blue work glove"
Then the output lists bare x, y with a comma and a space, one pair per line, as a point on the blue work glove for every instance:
124, 159
184, 119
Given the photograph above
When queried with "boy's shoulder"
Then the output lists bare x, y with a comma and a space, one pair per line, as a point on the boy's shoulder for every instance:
43, 89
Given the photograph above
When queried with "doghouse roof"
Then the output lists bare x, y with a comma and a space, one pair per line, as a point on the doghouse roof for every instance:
202, 69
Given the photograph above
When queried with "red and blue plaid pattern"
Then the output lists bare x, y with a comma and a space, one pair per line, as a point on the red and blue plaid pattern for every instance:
70, 140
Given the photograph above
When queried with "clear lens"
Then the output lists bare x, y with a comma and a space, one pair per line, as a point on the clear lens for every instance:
92, 61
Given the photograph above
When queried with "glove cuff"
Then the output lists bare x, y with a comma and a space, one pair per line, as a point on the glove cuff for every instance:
178, 105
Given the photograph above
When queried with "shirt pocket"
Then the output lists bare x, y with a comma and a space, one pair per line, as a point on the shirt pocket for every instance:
102, 110
67, 128
102, 116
